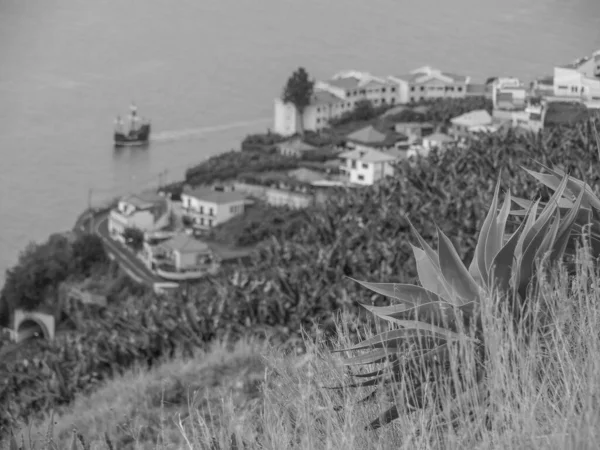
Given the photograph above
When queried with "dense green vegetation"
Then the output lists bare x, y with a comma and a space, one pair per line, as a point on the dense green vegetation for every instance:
228, 166
300, 281
298, 90
33, 280
260, 222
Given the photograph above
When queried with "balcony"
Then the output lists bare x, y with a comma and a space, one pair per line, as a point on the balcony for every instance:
168, 271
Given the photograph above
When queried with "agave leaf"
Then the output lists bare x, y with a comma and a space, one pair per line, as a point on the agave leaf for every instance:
435, 313
431, 254
372, 357
563, 203
528, 225
461, 284
406, 293
545, 215
550, 237
439, 332
430, 275
527, 266
503, 262
496, 235
477, 269
574, 186
387, 339
386, 417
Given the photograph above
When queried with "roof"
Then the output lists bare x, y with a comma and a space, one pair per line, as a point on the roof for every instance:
371, 155
305, 175
212, 196
413, 76
296, 143
368, 135
144, 200
414, 124
344, 82
321, 97
477, 117
183, 243
439, 137
576, 64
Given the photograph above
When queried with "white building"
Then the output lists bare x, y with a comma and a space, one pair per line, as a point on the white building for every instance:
147, 212
436, 140
368, 166
323, 107
509, 94
332, 98
208, 207
353, 86
428, 83
572, 84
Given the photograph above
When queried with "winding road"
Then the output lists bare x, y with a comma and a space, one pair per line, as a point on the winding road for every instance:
124, 257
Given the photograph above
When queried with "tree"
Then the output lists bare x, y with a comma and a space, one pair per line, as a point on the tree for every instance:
298, 91
134, 237
88, 252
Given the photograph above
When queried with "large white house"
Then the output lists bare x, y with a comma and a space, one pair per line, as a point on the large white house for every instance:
323, 107
146, 211
208, 207
353, 86
570, 83
332, 98
428, 83
366, 166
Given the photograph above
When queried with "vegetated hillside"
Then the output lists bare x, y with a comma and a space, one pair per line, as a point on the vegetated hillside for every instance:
301, 281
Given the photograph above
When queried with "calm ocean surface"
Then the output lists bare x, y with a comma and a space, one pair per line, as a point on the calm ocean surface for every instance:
206, 73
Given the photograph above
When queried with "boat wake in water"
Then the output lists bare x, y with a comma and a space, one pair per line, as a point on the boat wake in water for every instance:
167, 136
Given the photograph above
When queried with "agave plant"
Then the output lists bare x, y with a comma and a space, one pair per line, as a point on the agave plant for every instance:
587, 220
429, 321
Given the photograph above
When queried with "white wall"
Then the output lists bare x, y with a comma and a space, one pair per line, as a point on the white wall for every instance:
212, 213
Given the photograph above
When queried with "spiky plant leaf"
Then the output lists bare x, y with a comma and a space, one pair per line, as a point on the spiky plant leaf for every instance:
406, 293
430, 275
462, 287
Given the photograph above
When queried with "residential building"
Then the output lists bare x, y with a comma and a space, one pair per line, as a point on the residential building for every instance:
572, 84
208, 207
462, 125
353, 86
509, 94
437, 140
323, 107
371, 138
366, 166
184, 253
146, 211
295, 147
542, 87
588, 66
414, 130
428, 83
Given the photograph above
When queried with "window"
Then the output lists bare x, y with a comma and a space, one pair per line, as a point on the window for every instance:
563, 87
210, 222
210, 212
361, 177
382, 89
201, 209
354, 93
347, 94
574, 89
459, 89
393, 89
201, 220
318, 120
353, 163
422, 88
365, 165
412, 89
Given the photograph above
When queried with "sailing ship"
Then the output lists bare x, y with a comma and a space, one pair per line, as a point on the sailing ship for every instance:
138, 132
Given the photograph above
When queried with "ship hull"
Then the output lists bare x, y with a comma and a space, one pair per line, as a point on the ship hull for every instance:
136, 138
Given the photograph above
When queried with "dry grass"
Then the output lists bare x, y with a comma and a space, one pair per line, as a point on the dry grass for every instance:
544, 395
